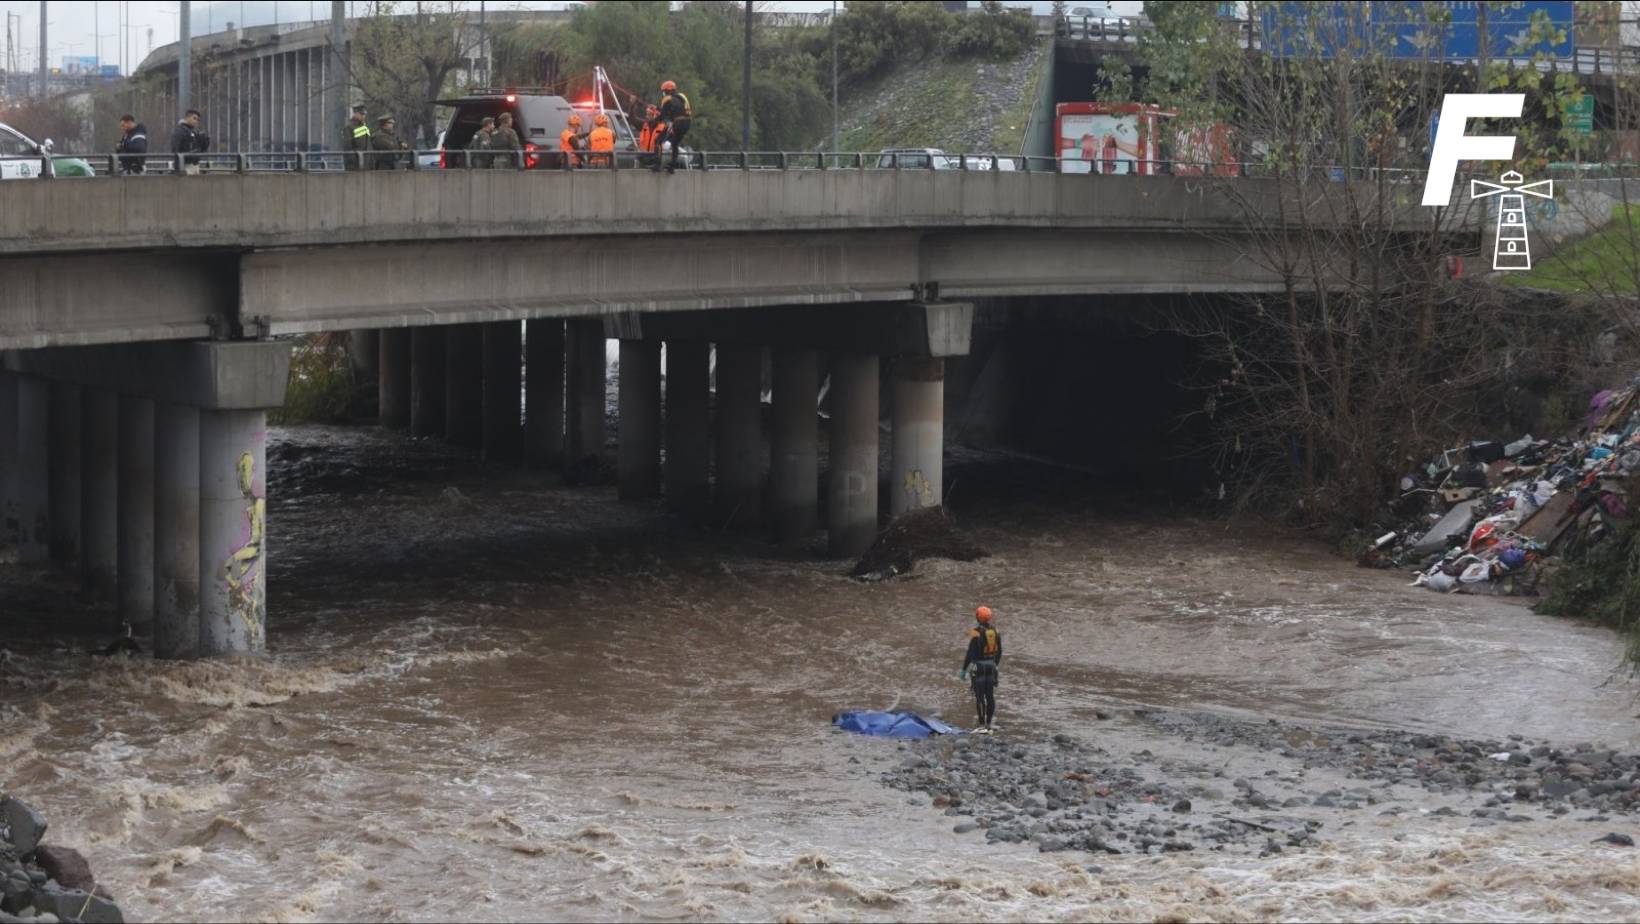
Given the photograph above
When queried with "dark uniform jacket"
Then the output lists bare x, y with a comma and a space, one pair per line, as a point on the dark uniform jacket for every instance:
384, 146
186, 139
505, 143
134, 141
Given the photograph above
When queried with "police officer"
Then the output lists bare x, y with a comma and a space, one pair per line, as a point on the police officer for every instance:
675, 114
601, 142
483, 140
133, 141
569, 142
355, 140
505, 143
385, 145
983, 657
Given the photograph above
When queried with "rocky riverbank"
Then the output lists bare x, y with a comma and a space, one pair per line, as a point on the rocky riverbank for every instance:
1210, 782
44, 883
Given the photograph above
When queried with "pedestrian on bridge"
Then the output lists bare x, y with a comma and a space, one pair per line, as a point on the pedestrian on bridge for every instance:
983, 659
385, 145
675, 115
483, 140
189, 138
355, 140
506, 140
133, 143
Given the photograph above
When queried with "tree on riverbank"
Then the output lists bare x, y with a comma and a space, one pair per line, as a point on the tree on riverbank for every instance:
1371, 355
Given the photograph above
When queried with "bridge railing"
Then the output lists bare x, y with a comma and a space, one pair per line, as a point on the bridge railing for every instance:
136, 166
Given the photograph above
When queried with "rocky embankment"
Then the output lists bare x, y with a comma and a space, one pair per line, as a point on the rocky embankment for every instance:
43, 883
1222, 783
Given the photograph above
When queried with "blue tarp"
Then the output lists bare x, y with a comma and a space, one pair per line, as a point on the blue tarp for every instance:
891, 724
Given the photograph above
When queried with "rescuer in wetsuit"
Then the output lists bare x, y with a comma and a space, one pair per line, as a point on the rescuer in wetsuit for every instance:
675, 115
983, 657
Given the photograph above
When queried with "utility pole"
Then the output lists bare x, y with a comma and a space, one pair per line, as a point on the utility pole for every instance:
1483, 45
336, 67
483, 47
96, 32
45, 74
835, 143
745, 87
185, 56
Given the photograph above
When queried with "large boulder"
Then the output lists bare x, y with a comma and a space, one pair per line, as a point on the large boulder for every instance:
77, 905
27, 826
67, 866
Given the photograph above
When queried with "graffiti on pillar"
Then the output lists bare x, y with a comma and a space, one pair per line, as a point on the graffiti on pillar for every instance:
918, 490
241, 571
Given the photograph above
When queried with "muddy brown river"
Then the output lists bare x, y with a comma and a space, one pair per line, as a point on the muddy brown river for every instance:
491, 697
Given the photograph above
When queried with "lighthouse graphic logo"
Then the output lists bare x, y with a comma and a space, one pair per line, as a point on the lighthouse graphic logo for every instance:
1511, 250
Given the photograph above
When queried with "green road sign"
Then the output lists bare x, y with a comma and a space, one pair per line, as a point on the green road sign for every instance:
1580, 115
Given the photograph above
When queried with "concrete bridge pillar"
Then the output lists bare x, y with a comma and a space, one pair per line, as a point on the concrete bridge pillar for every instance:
638, 459
739, 435
851, 504
585, 396
232, 531
10, 458
794, 462
544, 391
917, 479
427, 381
464, 385
135, 574
176, 531
33, 468
364, 355
689, 428
64, 468
99, 491
393, 375
503, 385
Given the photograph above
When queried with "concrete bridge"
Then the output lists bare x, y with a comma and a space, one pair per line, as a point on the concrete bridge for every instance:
138, 319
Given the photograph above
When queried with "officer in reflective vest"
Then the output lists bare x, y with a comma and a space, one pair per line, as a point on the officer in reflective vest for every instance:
355, 140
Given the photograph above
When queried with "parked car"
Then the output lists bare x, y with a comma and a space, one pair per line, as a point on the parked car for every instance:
921, 158
429, 160
22, 158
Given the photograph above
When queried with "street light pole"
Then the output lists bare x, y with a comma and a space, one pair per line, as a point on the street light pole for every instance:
45, 86
834, 134
185, 56
746, 85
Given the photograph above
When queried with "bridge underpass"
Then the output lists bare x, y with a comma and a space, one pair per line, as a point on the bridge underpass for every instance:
140, 450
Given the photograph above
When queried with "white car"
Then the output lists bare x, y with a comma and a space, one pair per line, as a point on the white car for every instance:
921, 158
22, 158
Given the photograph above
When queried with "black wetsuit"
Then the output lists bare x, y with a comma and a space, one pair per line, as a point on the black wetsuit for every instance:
984, 656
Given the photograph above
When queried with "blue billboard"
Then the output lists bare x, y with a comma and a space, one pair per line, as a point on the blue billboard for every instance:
1437, 31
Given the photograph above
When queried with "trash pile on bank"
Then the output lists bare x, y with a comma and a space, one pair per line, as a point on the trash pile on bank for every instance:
1487, 518
42, 883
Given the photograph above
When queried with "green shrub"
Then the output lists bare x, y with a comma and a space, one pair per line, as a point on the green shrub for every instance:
321, 381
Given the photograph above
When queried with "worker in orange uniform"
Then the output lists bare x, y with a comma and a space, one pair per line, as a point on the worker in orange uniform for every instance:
601, 142
983, 657
649, 136
569, 142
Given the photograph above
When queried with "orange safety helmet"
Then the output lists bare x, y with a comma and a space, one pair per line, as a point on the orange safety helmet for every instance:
983, 614
575, 121
600, 119
668, 86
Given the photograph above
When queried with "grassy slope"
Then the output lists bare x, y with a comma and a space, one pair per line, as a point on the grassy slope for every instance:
1603, 262
932, 103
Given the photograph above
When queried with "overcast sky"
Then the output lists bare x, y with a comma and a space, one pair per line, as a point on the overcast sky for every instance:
73, 24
